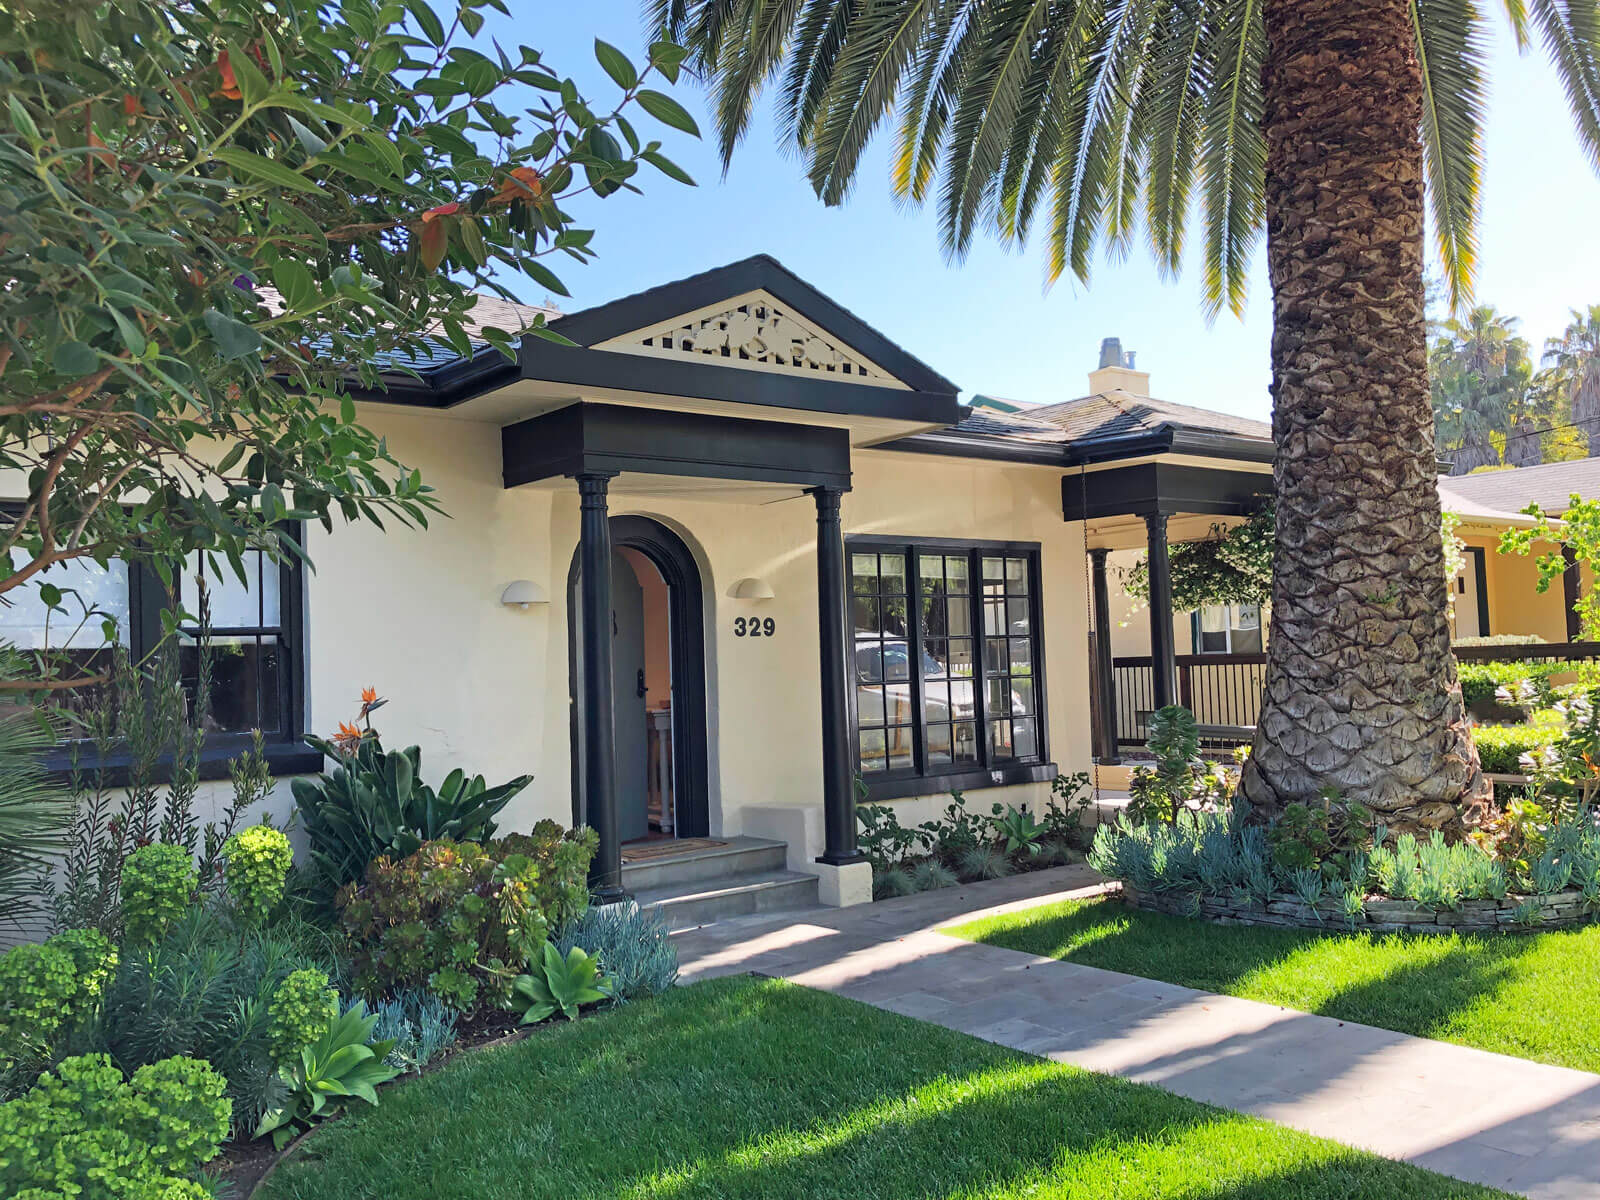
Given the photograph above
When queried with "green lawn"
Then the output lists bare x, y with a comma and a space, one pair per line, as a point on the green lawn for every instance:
744, 1088
1531, 995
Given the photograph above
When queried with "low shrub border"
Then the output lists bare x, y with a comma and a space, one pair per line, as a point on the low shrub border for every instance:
1379, 914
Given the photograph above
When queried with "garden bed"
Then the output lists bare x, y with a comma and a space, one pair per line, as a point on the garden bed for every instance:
1380, 914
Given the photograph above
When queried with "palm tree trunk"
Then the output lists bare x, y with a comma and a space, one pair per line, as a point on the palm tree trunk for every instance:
1361, 689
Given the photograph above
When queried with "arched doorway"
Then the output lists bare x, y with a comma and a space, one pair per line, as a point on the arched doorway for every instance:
658, 683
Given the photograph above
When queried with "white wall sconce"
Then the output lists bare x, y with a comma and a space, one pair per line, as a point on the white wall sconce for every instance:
751, 588
522, 592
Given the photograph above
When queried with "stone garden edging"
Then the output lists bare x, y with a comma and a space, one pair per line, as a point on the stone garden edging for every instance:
1559, 910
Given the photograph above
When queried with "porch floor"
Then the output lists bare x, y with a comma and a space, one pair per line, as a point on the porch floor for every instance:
1506, 1122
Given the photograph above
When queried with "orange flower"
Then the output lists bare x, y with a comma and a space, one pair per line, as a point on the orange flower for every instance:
230, 85
348, 738
368, 695
523, 183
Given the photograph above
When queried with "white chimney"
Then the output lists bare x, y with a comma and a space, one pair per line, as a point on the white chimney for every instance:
1116, 372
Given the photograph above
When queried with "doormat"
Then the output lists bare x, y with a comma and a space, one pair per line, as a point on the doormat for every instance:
666, 847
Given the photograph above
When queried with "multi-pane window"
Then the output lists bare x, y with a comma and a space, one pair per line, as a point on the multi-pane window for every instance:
249, 630
244, 631
1228, 629
946, 657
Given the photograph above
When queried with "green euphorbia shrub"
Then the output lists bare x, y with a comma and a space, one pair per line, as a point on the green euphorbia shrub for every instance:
258, 862
562, 857
47, 991
302, 1009
158, 884
85, 1133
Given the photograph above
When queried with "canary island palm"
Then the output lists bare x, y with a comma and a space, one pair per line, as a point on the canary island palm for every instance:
1331, 124
1574, 360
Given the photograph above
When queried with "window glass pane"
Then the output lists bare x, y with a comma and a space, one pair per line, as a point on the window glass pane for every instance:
873, 757
998, 696
933, 660
896, 665
939, 745
1213, 643
863, 573
1018, 617
866, 615
996, 656
245, 682
994, 570
28, 624
869, 705
1017, 576
1247, 641
1000, 739
1021, 657
933, 616
966, 743
936, 700
1214, 618
994, 616
894, 616
900, 749
1021, 695
959, 659
892, 574
956, 574
958, 617
1023, 742
869, 663
232, 604
931, 568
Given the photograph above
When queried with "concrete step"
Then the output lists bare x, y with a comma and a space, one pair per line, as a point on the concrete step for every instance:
701, 902
741, 856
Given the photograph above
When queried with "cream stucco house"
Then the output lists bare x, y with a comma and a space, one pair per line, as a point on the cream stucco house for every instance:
726, 562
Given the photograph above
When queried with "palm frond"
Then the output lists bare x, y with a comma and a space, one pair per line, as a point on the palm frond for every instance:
1233, 157
865, 80
35, 813
1175, 102
925, 110
1571, 33
1450, 44
749, 56
819, 37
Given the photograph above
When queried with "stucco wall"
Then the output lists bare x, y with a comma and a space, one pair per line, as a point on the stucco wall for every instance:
416, 613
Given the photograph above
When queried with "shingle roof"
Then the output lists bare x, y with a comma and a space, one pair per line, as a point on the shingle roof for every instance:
1549, 485
1118, 414
993, 423
1475, 511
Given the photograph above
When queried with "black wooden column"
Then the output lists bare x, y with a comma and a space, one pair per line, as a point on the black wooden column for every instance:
838, 775
1163, 644
599, 735
1571, 593
1104, 680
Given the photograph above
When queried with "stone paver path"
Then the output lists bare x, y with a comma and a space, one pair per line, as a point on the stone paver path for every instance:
1522, 1126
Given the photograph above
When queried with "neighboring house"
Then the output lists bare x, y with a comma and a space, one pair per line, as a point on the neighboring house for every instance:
727, 559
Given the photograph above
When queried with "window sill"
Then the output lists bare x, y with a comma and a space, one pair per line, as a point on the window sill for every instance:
283, 758
961, 781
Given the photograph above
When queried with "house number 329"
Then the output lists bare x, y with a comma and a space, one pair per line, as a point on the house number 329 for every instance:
754, 626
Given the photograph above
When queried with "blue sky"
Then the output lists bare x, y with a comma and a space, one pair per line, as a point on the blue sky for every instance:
988, 323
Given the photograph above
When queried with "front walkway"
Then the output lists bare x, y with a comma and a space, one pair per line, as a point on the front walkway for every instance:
1522, 1126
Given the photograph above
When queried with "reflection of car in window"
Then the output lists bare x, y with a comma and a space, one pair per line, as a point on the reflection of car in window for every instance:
888, 676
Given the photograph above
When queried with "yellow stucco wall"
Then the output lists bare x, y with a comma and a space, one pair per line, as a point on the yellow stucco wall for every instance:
1515, 604
416, 613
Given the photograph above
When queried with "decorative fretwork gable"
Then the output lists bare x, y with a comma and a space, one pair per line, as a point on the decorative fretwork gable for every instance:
757, 332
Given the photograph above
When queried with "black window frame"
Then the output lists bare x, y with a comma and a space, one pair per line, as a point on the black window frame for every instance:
285, 748
921, 779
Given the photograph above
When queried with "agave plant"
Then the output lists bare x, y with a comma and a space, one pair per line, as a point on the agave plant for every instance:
343, 1063
561, 985
374, 803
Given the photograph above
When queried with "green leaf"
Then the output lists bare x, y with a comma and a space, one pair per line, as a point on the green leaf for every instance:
22, 119
253, 85
265, 169
616, 65
132, 337
666, 166
667, 110
310, 141
234, 338
432, 27
295, 282
542, 274
74, 358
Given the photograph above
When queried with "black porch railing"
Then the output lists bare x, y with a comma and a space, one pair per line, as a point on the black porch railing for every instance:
1224, 690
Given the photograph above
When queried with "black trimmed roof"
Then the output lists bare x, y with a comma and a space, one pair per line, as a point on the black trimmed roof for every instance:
759, 272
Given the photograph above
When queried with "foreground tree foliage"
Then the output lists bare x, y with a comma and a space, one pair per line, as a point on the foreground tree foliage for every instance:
215, 216
1331, 123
